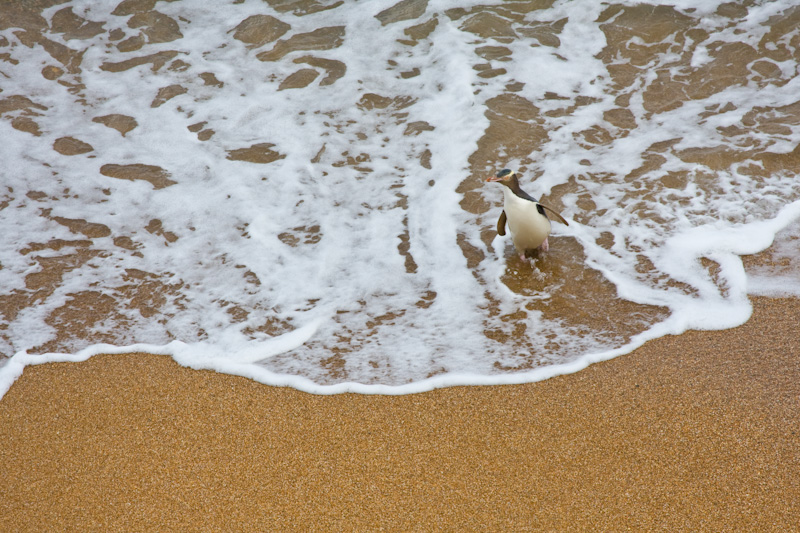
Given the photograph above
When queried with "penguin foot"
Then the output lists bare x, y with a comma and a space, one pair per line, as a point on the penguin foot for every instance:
544, 246
524, 258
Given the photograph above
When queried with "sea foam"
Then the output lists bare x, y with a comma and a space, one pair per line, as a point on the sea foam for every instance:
336, 235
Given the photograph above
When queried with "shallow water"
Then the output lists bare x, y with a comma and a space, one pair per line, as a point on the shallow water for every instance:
295, 191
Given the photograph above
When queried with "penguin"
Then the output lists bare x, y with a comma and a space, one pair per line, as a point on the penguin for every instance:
526, 217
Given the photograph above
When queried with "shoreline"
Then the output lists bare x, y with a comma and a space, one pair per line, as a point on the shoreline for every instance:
697, 431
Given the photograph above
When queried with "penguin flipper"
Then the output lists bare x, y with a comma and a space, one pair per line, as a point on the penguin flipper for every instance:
559, 218
501, 224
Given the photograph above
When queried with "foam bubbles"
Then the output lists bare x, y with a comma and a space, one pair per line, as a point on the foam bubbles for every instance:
780, 275
311, 211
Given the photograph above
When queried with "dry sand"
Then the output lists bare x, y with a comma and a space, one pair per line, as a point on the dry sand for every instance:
696, 432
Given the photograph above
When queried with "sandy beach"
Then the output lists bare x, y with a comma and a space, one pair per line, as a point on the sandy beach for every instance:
695, 432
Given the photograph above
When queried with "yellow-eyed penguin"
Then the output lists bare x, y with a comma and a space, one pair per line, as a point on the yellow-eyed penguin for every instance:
527, 218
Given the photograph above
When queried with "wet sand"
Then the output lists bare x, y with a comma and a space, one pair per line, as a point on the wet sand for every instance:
696, 432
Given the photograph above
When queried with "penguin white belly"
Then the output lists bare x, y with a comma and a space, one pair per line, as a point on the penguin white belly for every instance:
529, 228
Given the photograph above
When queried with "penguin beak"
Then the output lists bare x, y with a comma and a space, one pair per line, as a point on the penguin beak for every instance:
502, 176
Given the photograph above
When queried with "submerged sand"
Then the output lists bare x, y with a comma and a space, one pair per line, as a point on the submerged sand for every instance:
695, 432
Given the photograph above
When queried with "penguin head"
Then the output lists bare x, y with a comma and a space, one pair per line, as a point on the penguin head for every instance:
505, 176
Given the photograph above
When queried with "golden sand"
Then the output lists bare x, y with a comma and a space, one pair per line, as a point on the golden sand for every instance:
695, 432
